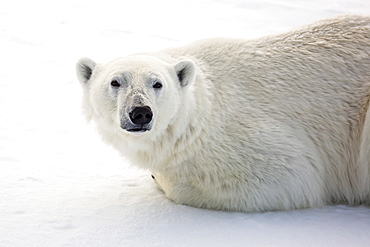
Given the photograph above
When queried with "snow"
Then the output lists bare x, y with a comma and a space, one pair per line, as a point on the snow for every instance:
61, 186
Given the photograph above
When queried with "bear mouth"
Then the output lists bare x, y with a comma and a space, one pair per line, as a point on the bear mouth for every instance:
138, 130
135, 128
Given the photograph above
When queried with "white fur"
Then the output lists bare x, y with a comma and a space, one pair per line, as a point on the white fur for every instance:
277, 123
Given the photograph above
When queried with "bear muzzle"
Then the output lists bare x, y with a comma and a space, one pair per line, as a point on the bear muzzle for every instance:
140, 119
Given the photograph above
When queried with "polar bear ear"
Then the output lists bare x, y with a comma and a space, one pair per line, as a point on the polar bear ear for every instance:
186, 72
84, 69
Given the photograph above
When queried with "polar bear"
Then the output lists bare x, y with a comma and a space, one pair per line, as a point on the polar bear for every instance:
277, 123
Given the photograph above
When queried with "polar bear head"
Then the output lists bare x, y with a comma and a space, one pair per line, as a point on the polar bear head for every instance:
136, 95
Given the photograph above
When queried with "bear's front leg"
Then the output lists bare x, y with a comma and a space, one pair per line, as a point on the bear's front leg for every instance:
181, 193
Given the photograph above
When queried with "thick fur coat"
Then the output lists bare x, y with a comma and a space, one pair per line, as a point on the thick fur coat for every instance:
277, 123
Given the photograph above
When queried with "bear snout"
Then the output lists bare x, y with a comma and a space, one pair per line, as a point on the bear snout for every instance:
141, 115
139, 119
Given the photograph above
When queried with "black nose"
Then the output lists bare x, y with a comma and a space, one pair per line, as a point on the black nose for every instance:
141, 115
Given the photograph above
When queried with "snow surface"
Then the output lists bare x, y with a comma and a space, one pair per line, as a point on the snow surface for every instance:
61, 186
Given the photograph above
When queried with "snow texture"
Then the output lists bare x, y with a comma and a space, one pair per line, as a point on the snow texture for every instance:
61, 186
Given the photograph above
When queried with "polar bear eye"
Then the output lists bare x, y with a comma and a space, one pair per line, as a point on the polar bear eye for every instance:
157, 85
115, 83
